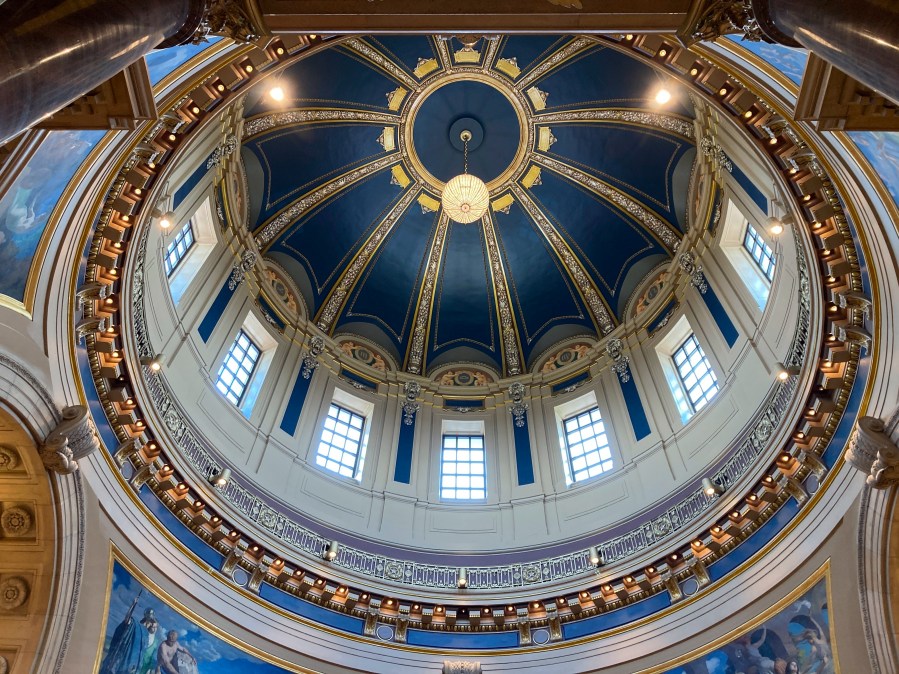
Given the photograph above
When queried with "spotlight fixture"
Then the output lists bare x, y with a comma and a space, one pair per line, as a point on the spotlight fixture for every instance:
276, 93
784, 372
595, 556
221, 478
462, 578
166, 218
775, 226
663, 96
330, 554
154, 363
711, 488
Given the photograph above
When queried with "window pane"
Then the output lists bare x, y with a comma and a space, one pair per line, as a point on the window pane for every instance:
462, 469
585, 438
759, 251
237, 369
341, 442
695, 373
178, 247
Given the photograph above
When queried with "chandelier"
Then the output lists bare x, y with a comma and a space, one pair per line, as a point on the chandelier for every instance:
465, 197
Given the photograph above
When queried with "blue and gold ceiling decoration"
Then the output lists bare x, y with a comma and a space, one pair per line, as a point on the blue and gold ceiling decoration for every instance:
588, 183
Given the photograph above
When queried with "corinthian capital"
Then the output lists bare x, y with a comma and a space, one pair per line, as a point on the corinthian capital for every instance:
872, 449
237, 19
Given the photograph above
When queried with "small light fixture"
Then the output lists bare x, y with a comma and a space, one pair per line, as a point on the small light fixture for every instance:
221, 478
330, 554
166, 218
462, 578
711, 488
595, 556
663, 96
775, 226
784, 372
276, 93
153, 363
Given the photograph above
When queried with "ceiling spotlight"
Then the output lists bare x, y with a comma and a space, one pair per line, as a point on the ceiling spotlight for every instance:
330, 554
166, 218
221, 478
595, 556
154, 363
711, 488
663, 96
277, 93
775, 226
462, 578
784, 372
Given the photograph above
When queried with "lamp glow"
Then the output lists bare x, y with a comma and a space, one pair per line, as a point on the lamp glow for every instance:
663, 96
277, 93
221, 478
465, 198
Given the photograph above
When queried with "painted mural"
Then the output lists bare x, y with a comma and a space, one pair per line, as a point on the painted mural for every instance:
163, 61
26, 206
881, 148
791, 62
144, 635
797, 640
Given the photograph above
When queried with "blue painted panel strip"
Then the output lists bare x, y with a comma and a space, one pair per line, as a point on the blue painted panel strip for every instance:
523, 461
190, 183
635, 408
576, 379
295, 404
402, 472
270, 312
455, 402
179, 530
662, 317
719, 313
359, 379
211, 319
617, 618
462, 640
754, 192
307, 609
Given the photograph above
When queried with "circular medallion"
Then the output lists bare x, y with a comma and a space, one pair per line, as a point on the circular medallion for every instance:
16, 521
13, 593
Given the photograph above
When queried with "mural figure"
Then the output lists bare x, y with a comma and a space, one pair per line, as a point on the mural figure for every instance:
794, 641
132, 646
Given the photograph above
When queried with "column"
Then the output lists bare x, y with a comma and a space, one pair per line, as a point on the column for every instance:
54, 51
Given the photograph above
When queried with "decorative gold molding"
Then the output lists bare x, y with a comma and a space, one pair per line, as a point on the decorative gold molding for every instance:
415, 358
508, 329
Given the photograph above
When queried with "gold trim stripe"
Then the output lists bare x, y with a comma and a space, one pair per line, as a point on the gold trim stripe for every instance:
509, 330
415, 359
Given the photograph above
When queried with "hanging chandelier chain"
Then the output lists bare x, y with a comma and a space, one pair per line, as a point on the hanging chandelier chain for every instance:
465, 170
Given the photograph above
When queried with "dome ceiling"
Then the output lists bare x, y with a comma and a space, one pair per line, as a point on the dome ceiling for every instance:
588, 183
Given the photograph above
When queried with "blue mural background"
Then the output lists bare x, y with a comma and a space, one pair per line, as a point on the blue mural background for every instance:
163, 61
212, 654
794, 641
26, 206
791, 62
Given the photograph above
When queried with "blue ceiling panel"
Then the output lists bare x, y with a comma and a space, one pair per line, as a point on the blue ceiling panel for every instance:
635, 160
325, 241
464, 313
298, 159
542, 293
404, 50
607, 241
604, 77
386, 293
530, 50
332, 78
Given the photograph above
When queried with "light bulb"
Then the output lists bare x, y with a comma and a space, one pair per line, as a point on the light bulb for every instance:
663, 96
277, 93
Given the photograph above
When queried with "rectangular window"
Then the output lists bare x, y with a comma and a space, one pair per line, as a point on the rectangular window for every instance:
463, 468
759, 251
177, 249
339, 448
587, 445
238, 368
695, 373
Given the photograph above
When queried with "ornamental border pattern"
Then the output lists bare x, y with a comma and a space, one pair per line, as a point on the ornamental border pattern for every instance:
274, 120
423, 313
503, 299
668, 123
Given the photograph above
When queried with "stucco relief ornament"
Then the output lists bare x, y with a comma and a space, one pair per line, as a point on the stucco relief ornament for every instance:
73, 438
310, 358
240, 270
411, 389
723, 17
4, 665
697, 277
716, 153
231, 18
9, 459
16, 521
461, 667
13, 593
620, 362
222, 151
519, 408
872, 449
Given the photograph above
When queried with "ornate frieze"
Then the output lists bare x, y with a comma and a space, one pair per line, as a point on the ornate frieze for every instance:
694, 271
519, 408
339, 294
665, 232
275, 120
507, 326
296, 209
565, 356
222, 152
461, 667
716, 154
384, 63
463, 377
364, 355
426, 298
411, 391
310, 357
681, 127
597, 306
241, 268
620, 361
